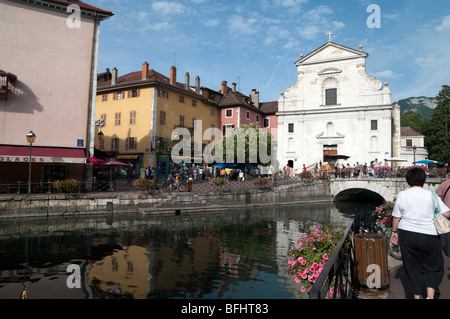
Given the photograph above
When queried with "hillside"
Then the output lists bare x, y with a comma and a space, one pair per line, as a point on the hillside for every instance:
422, 105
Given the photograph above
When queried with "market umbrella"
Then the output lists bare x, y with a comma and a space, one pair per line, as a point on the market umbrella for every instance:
427, 162
111, 164
337, 156
95, 160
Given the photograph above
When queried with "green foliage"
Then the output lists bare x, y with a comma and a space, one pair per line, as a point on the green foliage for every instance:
437, 132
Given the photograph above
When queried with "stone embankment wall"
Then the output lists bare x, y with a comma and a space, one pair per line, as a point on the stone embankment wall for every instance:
41, 205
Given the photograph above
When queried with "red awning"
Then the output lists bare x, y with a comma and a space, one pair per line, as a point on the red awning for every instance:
19, 154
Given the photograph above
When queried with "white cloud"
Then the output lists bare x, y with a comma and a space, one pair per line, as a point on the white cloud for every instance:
239, 26
387, 74
309, 32
212, 22
445, 24
169, 8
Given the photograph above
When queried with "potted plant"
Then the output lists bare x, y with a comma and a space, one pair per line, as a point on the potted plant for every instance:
142, 184
218, 182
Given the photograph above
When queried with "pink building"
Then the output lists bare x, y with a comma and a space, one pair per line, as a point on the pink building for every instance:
237, 109
51, 47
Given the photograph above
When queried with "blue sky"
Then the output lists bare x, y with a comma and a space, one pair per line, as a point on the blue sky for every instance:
255, 43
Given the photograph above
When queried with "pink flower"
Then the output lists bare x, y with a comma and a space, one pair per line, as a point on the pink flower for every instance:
303, 289
303, 262
297, 280
325, 256
315, 265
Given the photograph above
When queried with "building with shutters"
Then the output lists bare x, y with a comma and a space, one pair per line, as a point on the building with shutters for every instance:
53, 89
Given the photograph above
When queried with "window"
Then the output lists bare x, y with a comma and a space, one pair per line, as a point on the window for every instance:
181, 99
229, 113
131, 143
103, 117
266, 123
133, 93
162, 117
117, 118
132, 117
163, 94
181, 120
101, 145
374, 125
104, 97
330, 86
247, 115
194, 102
291, 127
257, 118
115, 144
213, 112
409, 142
331, 97
228, 129
119, 96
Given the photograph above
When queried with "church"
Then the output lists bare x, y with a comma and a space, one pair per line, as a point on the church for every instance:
336, 112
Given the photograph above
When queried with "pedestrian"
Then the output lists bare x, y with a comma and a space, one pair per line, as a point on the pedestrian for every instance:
241, 175
444, 193
189, 183
413, 229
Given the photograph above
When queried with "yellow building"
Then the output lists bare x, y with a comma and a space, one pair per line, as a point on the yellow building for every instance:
140, 110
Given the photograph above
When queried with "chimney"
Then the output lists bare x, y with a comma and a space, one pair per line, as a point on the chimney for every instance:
224, 87
197, 84
114, 76
144, 71
234, 87
108, 74
173, 75
186, 81
255, 97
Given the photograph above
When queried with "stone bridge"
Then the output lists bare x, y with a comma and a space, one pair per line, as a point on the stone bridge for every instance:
373, 189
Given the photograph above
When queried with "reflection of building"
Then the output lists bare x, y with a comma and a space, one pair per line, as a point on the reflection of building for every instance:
141, 109
55, 65
125, 272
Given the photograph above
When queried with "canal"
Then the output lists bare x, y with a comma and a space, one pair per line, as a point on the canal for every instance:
225, 255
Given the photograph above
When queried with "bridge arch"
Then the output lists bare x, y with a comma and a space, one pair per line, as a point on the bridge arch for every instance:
359, 195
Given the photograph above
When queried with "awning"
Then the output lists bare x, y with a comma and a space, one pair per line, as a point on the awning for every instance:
127, 156
21, 154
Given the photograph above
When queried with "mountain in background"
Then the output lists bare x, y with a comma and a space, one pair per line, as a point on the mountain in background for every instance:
422, 105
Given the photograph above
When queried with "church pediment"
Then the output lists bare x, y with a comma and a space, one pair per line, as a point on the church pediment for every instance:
331, 52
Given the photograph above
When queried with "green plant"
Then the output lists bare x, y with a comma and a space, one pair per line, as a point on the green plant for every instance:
66, 186
306, 175
262, 181
142, 183
386, 209
218, 182
309, 257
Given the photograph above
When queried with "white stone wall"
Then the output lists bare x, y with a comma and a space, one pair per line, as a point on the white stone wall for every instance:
360, 99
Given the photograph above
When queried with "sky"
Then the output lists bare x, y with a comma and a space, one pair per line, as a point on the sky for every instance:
255, 43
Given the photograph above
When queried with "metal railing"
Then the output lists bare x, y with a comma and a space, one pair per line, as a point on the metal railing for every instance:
123, 185
338, 274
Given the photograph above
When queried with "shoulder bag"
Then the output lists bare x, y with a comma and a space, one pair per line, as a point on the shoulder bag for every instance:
440, 222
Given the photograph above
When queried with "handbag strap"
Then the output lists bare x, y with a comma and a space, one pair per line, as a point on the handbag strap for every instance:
446, 192
436, 207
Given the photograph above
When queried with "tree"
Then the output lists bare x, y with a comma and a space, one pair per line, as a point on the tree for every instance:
437, 132
248, 144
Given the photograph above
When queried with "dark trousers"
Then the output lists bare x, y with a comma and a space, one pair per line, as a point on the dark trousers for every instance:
422, 259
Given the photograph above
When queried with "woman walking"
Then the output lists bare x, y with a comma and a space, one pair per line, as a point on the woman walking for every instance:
414, 230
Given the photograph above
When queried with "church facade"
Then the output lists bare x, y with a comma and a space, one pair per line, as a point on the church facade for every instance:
335, 110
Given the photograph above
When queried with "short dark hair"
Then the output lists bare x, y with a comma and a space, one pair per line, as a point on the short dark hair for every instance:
416, 177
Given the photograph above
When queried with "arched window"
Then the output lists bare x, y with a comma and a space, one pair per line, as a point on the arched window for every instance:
330, 86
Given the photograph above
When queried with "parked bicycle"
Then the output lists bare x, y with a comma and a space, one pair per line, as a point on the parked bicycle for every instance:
385, 228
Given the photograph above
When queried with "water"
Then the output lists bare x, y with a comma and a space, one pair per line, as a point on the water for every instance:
234, 255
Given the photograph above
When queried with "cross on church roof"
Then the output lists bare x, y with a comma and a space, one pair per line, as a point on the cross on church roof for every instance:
329, 34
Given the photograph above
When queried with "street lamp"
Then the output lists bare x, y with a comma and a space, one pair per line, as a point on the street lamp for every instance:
31, 137
414, 154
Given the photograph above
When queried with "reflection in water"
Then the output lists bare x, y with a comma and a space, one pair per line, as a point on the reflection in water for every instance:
239, 254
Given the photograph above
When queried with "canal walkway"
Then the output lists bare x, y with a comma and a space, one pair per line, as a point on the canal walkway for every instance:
399, 289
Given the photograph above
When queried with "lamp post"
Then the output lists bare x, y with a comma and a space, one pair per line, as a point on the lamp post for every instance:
31, 137
414, 154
